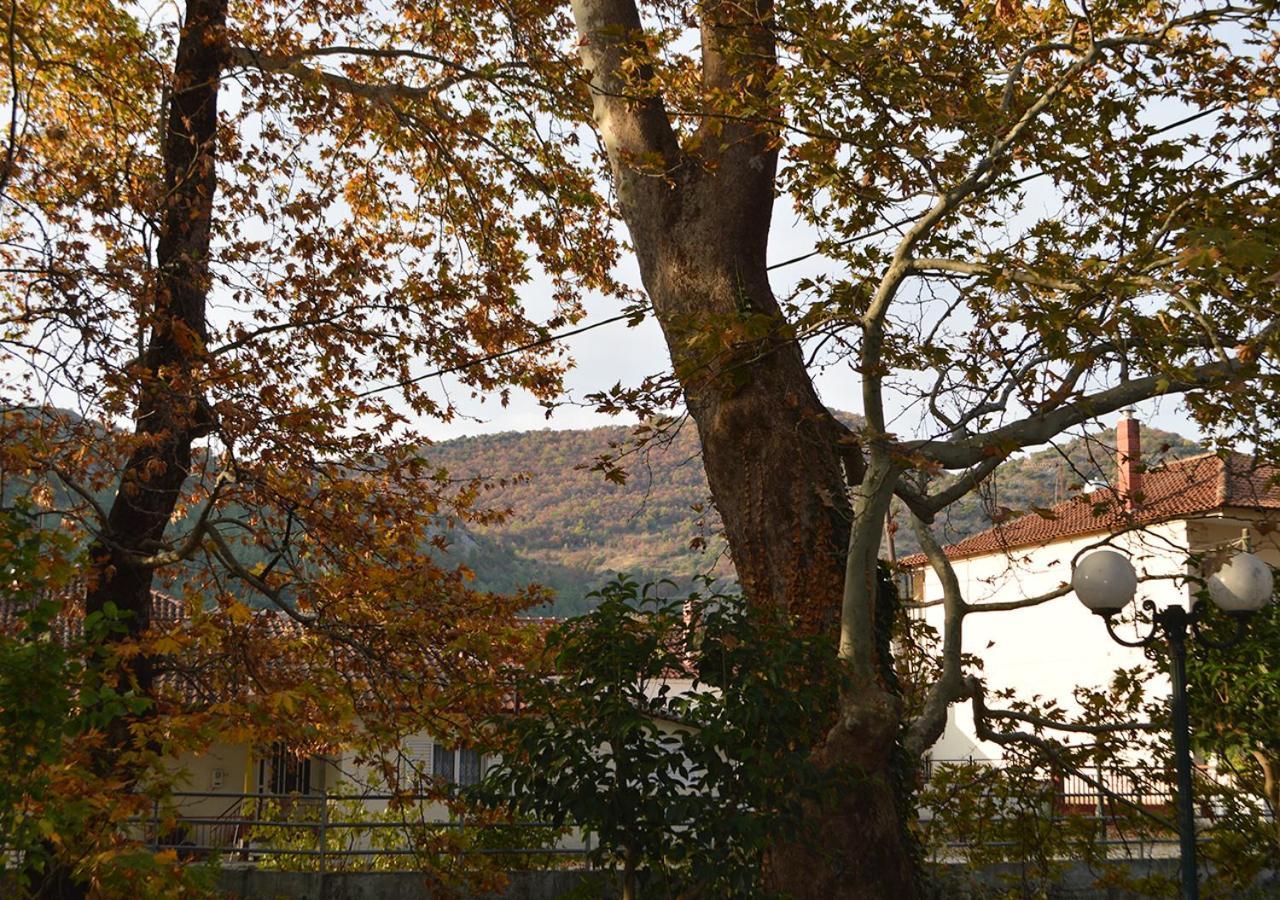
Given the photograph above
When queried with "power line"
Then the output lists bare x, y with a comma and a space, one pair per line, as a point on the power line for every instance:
543, 341
552, 338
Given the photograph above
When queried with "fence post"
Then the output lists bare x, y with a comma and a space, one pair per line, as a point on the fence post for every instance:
155, 825
324, 823
1102, 800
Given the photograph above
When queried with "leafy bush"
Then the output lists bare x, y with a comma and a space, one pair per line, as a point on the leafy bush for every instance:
55, 706
675, 732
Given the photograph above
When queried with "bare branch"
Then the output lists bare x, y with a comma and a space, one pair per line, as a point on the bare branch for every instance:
1026, 603
950, 686
1071, 727
1020, 275
986, 733
250, 58
83, 492
228, 558
871, 501
1041, 426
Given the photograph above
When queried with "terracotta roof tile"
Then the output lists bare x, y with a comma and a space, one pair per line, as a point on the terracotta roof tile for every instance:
165, 609
1172, 490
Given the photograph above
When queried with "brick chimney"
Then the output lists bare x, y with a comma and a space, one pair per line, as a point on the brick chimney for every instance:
1129, 460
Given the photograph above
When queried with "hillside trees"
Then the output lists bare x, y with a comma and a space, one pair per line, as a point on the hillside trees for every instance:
644, 525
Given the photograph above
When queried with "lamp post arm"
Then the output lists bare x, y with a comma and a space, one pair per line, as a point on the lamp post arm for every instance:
1141, 642
1202, 637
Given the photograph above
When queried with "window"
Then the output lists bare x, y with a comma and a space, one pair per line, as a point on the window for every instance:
284, 772
442, 763
468, 766
459, 766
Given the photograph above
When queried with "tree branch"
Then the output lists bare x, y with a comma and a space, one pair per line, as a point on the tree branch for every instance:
195, 537
1025, 603
228, 558
986, 733
632, 127
1072, 728
950, 686
1042, 425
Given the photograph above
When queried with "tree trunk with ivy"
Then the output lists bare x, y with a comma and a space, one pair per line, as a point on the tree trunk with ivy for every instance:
171, 413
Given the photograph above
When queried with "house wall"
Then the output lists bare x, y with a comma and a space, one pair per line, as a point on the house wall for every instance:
1048, 650
219, 771
344, 774
1227, 526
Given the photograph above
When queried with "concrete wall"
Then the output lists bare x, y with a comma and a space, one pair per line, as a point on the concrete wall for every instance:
262, 884
953, 882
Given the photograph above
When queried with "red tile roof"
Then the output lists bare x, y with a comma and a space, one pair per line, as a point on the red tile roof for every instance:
165, 609
1173, 490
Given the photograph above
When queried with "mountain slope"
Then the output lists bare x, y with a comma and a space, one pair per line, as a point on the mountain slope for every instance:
570, 527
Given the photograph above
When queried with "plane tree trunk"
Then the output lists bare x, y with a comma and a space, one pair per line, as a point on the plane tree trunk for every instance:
775, 462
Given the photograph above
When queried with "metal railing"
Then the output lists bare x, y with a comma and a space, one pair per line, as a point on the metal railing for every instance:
331, 830
1130, 806
1147, 786
322, 830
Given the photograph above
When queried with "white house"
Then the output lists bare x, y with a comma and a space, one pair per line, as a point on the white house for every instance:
225, 786
1159, 516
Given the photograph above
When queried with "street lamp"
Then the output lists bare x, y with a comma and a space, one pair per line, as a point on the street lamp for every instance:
1105, 582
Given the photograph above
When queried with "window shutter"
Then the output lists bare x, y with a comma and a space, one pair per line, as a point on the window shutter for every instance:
416, 750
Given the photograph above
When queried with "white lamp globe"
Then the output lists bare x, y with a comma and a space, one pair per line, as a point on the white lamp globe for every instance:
1243, 585
1105, 582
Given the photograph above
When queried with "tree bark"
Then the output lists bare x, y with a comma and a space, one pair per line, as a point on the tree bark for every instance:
774, 468
171, 412
772, 452
630, 891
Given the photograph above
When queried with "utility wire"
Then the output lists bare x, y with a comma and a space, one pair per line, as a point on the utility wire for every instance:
552, 338
540, 342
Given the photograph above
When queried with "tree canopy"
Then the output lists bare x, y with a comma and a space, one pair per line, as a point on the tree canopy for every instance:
253, 232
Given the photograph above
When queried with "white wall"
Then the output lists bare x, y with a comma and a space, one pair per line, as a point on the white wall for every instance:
1048, 650
220, 771
1228, 526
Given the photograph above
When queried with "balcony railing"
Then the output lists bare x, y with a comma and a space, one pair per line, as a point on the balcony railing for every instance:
334, 831
326, 831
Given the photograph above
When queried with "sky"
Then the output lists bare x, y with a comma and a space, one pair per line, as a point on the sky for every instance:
616, 352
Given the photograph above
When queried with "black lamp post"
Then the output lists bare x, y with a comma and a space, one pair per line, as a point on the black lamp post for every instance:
1105, 582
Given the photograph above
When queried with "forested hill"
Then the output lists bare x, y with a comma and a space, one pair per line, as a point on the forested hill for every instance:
571, 528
